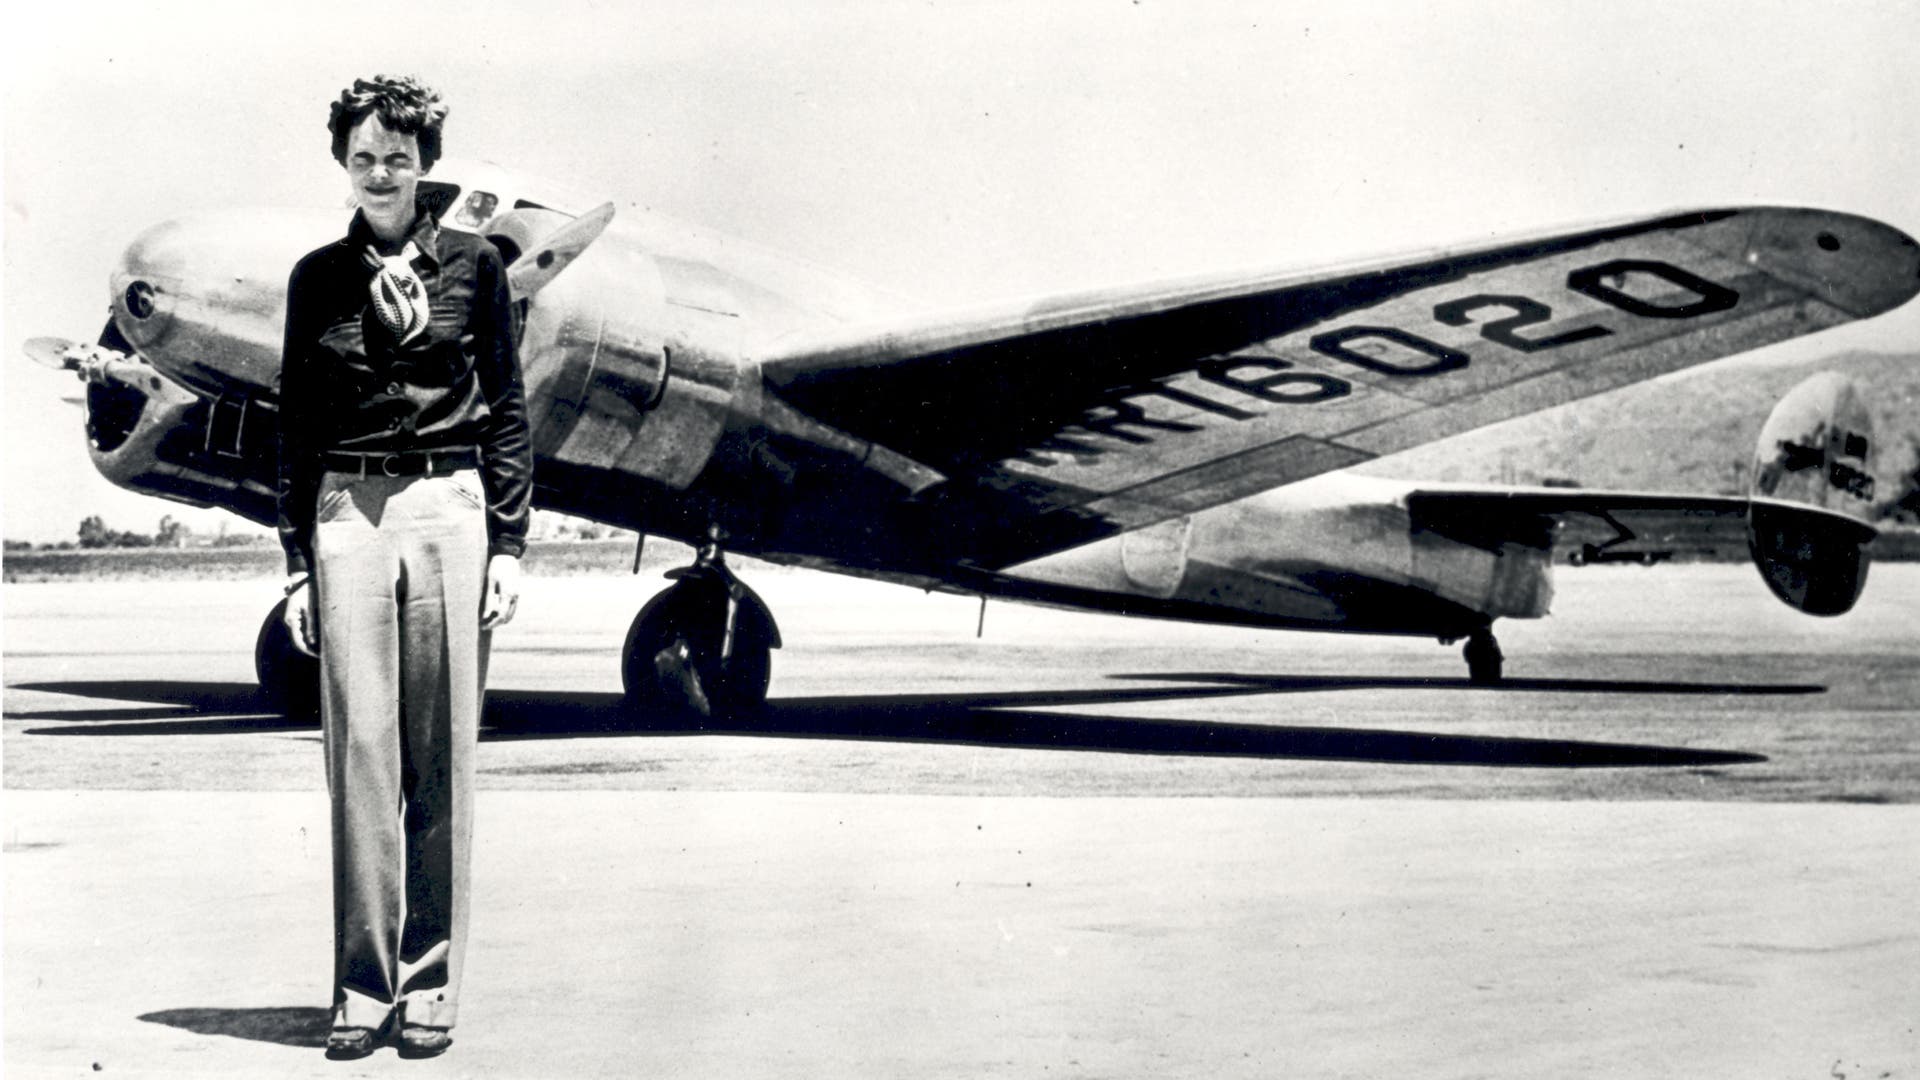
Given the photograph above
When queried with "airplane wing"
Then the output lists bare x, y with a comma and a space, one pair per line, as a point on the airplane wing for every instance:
1582, 526
1062, 420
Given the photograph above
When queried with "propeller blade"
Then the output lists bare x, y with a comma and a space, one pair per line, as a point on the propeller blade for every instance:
57, 353
531, 272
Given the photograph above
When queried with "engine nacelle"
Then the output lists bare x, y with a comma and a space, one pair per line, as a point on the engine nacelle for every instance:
1808, 525
618, 378
149, 434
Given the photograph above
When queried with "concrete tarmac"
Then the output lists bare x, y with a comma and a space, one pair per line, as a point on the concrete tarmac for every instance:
1680, 844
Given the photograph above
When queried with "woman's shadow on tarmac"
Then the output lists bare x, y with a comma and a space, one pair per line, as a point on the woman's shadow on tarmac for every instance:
288, 1025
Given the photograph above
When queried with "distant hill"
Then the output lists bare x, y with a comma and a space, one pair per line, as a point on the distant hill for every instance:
1691, 432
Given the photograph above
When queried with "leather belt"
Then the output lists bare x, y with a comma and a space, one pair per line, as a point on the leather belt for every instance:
407, 463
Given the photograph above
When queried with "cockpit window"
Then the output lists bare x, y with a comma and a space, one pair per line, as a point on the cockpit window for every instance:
477, 210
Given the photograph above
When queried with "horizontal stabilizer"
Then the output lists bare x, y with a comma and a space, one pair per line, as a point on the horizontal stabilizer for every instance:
1594, 525
1805, 521
1583, 525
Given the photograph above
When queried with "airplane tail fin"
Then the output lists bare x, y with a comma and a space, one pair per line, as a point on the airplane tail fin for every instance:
1807, 520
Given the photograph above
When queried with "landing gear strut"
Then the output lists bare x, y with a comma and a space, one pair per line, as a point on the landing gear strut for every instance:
289, 678
1483, 657
702, 646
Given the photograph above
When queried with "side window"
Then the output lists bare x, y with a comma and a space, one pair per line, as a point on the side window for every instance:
476, 209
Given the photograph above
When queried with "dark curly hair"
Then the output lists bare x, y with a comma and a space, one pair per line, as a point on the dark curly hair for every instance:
405, 104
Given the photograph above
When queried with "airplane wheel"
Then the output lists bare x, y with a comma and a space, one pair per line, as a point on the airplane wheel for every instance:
1484, 659
671, 661
289, 678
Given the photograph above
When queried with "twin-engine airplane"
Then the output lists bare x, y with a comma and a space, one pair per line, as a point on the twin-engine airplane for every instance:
1170, 450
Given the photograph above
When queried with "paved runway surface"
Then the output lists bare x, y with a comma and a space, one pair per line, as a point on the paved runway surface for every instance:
1078, 846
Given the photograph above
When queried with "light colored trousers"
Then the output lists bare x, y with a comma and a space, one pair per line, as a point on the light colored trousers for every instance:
400, 565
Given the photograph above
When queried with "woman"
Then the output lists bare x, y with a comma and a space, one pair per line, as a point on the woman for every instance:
405, 479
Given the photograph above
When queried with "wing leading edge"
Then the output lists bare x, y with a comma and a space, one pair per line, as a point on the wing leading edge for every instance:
1062, 420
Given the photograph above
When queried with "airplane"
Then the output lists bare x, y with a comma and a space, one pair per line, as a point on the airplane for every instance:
1176, 449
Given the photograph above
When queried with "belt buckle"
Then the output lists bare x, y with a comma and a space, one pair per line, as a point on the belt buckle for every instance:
387, 463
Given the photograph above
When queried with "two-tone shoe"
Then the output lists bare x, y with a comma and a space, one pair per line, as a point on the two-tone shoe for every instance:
348, 1043
418, 1041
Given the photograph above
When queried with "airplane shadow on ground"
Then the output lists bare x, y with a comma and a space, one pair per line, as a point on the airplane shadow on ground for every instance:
288, 1025
1005, 719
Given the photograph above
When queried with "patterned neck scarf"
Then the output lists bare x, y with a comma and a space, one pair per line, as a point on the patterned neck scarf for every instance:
399, 299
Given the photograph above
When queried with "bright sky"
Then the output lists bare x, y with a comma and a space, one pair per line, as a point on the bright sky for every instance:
956, 152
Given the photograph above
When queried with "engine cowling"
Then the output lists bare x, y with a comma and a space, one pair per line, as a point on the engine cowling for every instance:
149, 434
619, 378
1808, 524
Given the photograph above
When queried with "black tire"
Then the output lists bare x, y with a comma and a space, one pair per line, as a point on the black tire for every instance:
671, 660
289, 678
1484, 660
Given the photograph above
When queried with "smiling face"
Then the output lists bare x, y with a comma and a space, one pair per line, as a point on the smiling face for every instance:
384, 167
